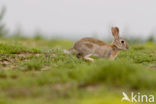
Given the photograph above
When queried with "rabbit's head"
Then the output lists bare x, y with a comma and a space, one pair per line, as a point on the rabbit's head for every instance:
119, 42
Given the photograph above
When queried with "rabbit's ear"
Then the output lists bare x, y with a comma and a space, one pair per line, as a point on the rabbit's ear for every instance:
115, 32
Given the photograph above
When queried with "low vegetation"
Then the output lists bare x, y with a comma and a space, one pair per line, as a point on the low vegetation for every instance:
38, 71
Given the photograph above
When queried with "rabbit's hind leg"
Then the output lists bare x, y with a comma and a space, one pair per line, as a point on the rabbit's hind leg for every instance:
79, 55
87, 58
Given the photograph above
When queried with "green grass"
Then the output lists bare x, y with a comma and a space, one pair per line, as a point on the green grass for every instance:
15, 49
36, 71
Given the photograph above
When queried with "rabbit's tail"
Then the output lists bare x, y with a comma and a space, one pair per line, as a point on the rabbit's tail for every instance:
69, 51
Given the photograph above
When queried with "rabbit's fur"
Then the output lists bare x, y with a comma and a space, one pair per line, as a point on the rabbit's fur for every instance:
87, 47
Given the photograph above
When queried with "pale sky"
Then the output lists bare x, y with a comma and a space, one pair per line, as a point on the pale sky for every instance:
79, 18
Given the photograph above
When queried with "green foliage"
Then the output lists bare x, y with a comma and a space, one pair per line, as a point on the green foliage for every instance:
122, 73
39, 69
15, 49
34, 64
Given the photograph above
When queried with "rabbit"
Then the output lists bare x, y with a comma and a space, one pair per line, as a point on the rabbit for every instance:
87, 47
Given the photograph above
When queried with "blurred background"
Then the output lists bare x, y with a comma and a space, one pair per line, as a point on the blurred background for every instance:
74, 19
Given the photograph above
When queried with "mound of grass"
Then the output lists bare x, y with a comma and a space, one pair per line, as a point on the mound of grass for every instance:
142, 53
15, 49
121, 73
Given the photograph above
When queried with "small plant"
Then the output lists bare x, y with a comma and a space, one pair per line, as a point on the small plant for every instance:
34, 64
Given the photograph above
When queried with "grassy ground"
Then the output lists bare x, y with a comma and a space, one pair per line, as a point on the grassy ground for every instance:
36, 71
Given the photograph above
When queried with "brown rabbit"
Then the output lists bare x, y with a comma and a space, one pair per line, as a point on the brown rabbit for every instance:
87, 47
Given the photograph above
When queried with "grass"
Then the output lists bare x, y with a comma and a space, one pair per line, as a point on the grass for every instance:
38, 71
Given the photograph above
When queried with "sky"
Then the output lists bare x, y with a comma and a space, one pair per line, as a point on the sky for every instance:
81, 18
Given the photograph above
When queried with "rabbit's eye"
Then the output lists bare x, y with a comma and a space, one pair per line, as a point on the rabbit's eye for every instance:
122, 41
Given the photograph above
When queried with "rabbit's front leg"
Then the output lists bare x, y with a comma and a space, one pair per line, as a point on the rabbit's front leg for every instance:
113, 55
